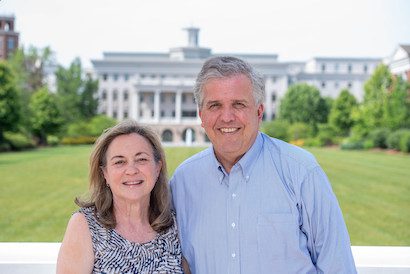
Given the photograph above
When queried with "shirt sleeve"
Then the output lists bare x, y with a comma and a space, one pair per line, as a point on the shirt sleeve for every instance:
323, 224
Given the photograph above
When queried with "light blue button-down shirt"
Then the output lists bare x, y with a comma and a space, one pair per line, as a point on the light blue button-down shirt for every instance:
275, 212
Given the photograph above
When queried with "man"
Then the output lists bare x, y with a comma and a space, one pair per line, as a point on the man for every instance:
251, 203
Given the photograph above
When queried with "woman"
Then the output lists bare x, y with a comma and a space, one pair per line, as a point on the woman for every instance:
126, 226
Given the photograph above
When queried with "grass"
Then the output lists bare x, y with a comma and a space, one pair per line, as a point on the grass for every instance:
37, 189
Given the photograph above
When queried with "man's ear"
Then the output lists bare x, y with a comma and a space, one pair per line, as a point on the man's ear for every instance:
261, 108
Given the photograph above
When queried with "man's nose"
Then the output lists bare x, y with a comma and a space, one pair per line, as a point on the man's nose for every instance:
227, 114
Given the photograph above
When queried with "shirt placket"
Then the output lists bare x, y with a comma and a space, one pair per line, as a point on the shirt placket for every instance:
233, 199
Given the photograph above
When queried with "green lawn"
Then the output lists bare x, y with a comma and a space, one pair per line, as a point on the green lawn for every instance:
37, 189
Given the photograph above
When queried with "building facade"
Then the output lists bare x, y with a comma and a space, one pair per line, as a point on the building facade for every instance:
399, 62
157, 88
8, 37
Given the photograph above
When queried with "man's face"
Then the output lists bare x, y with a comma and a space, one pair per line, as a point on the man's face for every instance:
230, 115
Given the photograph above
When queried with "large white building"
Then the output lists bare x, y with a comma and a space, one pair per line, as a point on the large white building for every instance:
157, 88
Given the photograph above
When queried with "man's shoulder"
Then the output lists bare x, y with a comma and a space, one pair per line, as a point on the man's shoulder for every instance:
289, 152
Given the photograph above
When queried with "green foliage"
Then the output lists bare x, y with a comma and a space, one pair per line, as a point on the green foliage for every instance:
303, 103
340, 117
393, 140
326, 135
100, 123
52, 140
405, 142
88, 98
298, 131
396, 111
352, 143
276, 128
10, 104
378, 137
46, 118
94, 127
69, 83
18, 141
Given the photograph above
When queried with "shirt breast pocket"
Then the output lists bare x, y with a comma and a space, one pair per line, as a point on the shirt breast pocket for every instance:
277, 237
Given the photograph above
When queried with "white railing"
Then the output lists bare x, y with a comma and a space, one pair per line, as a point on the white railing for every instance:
18, 258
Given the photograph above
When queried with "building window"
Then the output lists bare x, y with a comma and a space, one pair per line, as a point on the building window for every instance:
162, 113
115, 95
104, 77
273, 97
323, 84
173, 113
323, 67
183, 98
115, 77
141, 98
189, 113
104, 95
365, 68
10, 43
125, 95
126, 77
167, 136
336, 84
141, 113
125, 114
336, 67
114, 115
349, 85
152, 113
349, 68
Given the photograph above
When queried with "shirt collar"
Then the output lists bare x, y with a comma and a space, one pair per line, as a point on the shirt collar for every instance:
247, 162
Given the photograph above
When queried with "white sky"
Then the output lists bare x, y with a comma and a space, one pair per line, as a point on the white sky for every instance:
295, 30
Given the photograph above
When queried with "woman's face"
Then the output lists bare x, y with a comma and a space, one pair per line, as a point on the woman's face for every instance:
131, 170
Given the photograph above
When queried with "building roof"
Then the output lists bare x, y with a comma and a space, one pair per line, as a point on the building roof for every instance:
406, 48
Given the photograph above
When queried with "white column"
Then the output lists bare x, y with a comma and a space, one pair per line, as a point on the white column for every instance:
134, 104
120, 99
109, 103
178, 104
157, 105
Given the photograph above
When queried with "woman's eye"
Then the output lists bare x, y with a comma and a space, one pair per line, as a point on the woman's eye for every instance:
142, 160
120, 162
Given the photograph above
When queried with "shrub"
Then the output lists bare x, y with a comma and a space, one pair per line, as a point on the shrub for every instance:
52, 140
80, 140
326, 135
352, 143
299, 131
393, 140
276, 128
78, 129
379, 137
18, 141
368, 144
405, 141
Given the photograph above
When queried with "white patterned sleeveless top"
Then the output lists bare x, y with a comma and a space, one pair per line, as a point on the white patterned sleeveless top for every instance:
115, 254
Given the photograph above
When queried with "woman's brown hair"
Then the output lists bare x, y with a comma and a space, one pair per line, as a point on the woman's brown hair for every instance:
100, 194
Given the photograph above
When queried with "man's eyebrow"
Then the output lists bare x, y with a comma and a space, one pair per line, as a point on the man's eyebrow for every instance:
212, 102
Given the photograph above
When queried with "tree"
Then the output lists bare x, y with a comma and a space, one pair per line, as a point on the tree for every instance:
396, 111
29, 69
46, 117
376, 89
303, 103
340, 117
10, 104
76, 92
69, 84
88, 100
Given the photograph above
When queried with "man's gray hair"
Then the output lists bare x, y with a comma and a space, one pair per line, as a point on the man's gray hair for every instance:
227, 66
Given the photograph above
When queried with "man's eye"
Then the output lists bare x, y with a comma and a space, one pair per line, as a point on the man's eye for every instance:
213, 106
239, 105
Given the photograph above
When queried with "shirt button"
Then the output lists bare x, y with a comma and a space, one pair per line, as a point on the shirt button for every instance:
233, 195
233, 255
233, 225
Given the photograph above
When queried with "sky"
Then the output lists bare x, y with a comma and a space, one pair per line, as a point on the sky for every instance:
296, 30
